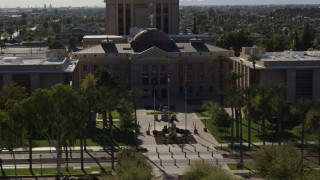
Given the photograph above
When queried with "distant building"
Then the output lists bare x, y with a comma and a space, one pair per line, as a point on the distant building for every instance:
37, 71
121, 15
299, 70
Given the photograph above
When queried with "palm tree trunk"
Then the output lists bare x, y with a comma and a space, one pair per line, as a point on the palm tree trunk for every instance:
232, 126
279, 130
111, 139
318, 147
58, 149
241, 148
67, 161
302, 135
104, 121
237, 122
30, 150
221, 83
264, 131
249, 132
136, 125
15, 165
81, 150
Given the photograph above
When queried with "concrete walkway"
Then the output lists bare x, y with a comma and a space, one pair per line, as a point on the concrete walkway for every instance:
170, 164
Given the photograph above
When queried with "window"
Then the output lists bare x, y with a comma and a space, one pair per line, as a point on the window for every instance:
116, 67
190, 89
84, 67
190, 66
163, 67
145, 79
200, 89
145, 68
95, 67
163, 78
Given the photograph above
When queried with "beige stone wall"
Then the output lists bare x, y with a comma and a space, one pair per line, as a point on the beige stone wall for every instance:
140, 11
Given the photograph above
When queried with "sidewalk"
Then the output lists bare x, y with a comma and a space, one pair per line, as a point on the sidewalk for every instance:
171, 164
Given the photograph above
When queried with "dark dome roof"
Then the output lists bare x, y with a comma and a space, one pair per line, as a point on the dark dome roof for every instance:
148, 38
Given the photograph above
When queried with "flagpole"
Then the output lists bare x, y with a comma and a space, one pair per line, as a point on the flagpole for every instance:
154, 100
168, 97
185, 100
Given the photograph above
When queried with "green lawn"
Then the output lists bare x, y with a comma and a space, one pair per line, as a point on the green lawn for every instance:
290, 133
250, 165
115, 115
225, 136
44, 143
52, 171
201, 112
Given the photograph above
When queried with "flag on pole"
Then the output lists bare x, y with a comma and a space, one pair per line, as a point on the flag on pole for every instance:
185, 79
168, 78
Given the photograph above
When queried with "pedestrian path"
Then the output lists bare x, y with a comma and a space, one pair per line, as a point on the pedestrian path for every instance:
172, 160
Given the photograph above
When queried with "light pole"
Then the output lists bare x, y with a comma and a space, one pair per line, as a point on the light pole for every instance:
41, 163
154, 99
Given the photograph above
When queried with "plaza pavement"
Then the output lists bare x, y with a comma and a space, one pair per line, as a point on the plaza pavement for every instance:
170, 164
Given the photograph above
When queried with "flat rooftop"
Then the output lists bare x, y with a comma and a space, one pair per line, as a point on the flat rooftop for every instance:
35, 64
285, 60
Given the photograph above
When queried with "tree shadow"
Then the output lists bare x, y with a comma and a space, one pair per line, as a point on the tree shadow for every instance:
97, 161
32, 174
2, 170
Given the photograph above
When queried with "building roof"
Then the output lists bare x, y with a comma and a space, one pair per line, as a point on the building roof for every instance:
36, 64
148, 38
127, 48
285, 60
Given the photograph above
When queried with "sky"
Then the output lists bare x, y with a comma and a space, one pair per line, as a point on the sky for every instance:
80, 3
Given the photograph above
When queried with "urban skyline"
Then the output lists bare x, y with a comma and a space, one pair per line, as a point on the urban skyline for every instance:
99, 3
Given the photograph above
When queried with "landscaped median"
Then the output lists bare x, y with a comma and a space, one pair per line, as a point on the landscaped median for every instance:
53, 171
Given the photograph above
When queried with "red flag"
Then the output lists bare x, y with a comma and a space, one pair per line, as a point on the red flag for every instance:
168, 78
185, 79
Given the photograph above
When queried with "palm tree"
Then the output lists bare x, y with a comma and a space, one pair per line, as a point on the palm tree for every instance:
233, 95
253, 58
300, 109
220, 60
249, 94
134, 94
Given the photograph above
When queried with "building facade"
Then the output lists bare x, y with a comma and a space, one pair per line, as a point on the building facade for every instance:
299, 70
123, 15
33, 72
151, 56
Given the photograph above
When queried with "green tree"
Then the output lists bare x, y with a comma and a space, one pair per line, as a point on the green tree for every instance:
299, 109
232, 92
133, 95
88, 89
235, 39
313, 125
132, 165
307, 37
12, 134
206, 171
107, 100
279, 162
11, 91
72, 43
104, 78
221, 60
2, 46
64, 120
218, 115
